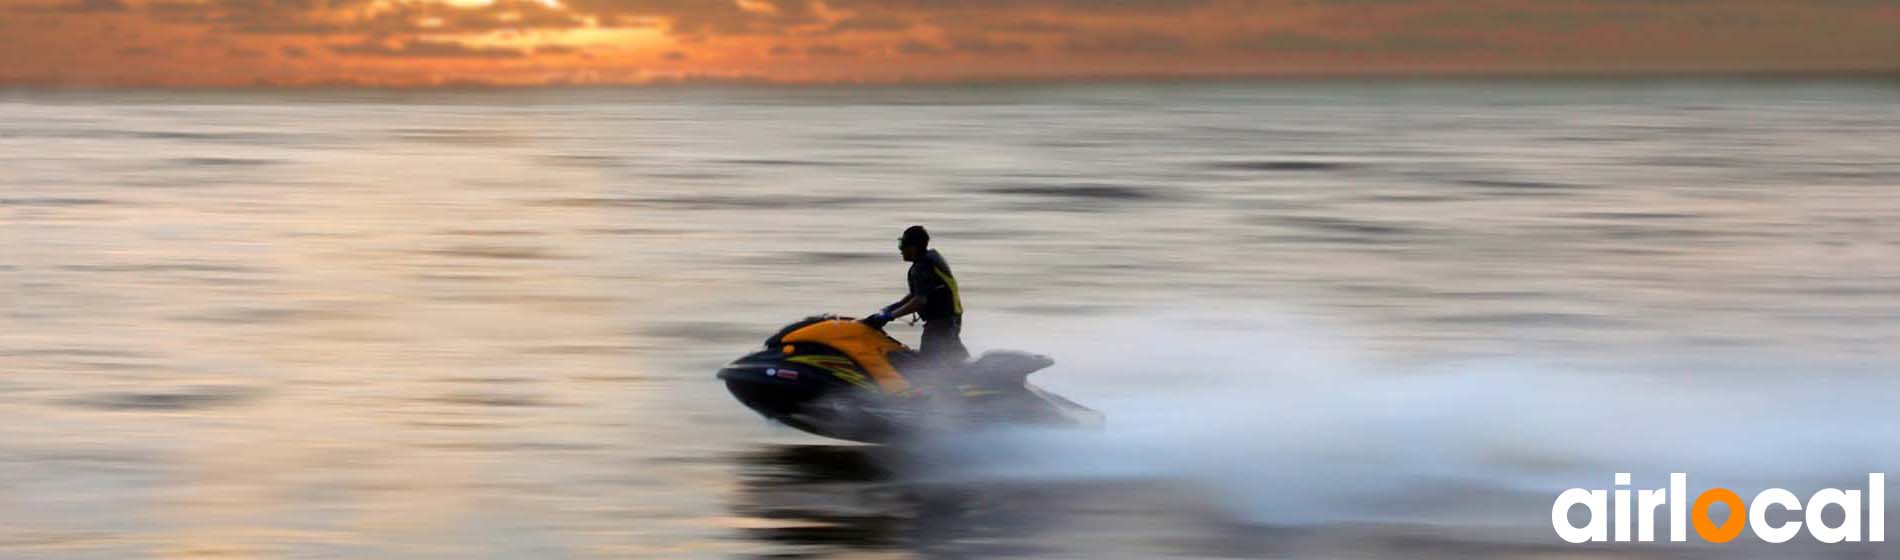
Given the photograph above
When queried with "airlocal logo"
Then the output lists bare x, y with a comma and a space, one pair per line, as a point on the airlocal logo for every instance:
1753, 514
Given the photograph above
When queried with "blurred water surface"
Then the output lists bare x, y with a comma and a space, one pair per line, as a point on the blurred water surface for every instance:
450, 324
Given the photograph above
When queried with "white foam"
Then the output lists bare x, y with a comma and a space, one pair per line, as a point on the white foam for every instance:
1279, 424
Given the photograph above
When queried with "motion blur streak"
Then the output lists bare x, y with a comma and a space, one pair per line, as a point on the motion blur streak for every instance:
1280, 426
440, 324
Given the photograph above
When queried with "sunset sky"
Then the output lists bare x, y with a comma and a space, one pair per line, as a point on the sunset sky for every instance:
528, 42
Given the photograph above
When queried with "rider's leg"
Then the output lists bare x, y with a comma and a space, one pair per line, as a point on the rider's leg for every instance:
942, 344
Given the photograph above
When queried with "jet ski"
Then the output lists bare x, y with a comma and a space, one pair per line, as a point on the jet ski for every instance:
841, 378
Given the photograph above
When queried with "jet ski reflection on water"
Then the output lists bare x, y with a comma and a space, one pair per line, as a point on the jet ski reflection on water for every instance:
841, 378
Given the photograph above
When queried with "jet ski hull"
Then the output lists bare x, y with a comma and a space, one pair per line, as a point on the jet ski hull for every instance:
819, 390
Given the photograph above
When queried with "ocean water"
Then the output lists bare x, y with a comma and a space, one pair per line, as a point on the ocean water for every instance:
1325, 319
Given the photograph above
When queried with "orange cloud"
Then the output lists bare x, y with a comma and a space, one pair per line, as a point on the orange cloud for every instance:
525, 42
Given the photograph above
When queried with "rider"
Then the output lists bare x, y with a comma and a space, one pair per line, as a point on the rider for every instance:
933, 297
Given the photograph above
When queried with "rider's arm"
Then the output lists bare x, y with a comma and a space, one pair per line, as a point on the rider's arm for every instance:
910, 304
913, 301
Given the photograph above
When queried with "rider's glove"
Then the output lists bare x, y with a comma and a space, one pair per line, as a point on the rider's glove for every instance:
877, 320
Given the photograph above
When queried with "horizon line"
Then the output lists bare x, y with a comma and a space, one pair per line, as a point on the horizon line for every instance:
1867, 74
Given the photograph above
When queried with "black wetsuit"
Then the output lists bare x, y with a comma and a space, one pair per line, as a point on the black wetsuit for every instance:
942, 312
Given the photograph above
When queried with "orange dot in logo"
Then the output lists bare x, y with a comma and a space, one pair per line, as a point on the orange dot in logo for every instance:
1731, 528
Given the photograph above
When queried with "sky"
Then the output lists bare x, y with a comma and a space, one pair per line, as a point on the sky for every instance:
421, 43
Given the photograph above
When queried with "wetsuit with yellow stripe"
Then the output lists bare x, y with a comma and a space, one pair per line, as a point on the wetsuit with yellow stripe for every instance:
942, 311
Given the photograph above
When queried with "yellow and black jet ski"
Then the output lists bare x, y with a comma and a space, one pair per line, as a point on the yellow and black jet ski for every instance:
842, 378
